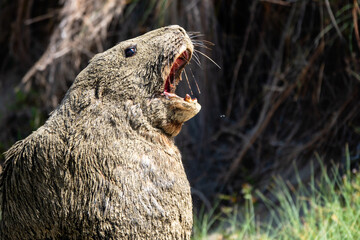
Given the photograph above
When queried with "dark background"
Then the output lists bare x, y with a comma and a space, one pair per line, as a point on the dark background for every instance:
286, 95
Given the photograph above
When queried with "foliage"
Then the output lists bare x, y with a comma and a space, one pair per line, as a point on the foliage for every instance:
326, 208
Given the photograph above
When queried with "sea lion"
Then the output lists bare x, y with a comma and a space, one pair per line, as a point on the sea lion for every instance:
104, 165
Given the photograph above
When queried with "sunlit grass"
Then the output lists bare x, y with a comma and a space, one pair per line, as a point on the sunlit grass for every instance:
326, 208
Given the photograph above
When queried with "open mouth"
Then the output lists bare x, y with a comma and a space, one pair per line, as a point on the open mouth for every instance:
174, 76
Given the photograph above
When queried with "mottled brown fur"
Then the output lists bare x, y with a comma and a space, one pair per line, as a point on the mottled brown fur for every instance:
104, 165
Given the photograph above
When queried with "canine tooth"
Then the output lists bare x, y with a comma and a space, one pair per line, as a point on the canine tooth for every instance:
187, 98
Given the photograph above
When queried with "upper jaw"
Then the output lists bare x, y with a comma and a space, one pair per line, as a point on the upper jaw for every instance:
172, 73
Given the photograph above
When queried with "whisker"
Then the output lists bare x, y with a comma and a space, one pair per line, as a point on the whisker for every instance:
207, 58
202, 42
197, 41
187, 80
196, 59
201, 45
195, 34
208, 42
197, 86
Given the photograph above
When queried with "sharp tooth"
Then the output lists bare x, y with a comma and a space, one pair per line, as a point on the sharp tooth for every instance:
187, 98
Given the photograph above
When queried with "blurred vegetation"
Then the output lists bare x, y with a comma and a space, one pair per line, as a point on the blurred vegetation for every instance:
288, 85
324, 208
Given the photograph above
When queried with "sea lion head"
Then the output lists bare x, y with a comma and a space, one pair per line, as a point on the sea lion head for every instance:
145, 72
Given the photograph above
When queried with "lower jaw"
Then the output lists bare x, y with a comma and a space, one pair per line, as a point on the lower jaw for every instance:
187, 97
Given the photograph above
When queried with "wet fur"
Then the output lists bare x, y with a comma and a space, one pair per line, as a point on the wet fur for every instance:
104, 165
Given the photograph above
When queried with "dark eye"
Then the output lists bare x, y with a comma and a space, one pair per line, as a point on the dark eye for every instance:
130, 51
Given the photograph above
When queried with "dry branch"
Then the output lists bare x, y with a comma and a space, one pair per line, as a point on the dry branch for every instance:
83, 24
